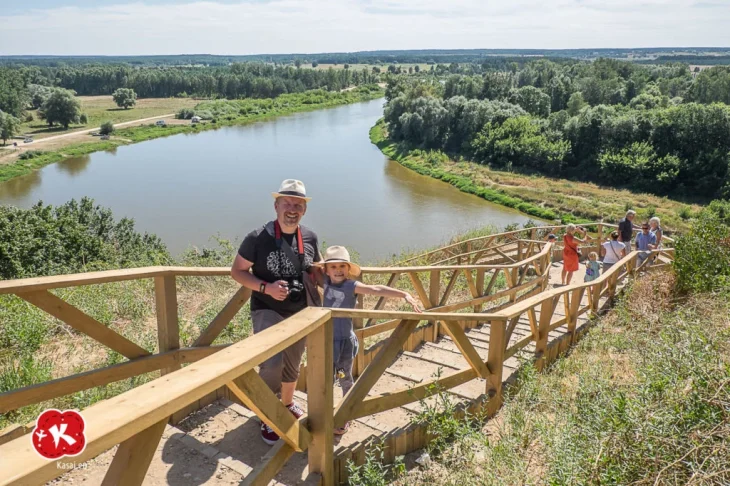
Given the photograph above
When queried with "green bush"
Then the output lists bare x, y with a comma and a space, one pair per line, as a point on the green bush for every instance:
702, 260
73, 237
107, 128
30, 154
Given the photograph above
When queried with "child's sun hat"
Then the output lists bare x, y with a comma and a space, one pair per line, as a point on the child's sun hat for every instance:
335, 254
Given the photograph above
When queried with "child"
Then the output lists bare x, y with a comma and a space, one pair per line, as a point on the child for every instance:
339, 292
592, 267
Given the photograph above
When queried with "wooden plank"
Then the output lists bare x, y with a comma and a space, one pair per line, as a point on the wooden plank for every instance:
257, 397
532, 316
269, 465
75, 318
320, 383
359, 323
546, 313
495, 360
392, 281
505, 255
471, 284
49, 390
450, 287
372, 373
418, 286
397, 398
466, 348
132, 459
434, 289
168, 331
223, 318
113, 421
511, 329
492, 281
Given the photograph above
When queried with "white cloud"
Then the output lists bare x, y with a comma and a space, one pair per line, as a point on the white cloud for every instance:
283, 26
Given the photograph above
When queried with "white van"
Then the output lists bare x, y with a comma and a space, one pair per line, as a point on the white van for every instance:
195, 119
160, 123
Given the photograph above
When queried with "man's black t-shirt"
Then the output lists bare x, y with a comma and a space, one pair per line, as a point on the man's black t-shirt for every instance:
271, 264
626, 229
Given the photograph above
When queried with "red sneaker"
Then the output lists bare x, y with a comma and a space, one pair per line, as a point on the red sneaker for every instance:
295, 410
268, 435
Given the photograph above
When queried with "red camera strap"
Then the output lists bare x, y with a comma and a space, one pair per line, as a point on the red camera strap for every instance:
277, 235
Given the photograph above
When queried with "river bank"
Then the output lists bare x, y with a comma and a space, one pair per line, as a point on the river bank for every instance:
538, 196
262, 110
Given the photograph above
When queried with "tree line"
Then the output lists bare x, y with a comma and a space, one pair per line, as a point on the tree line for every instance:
651, 128
249, 80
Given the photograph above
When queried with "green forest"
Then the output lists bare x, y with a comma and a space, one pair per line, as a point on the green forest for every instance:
658, 128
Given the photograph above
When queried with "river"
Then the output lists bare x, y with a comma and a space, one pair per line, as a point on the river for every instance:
186, 188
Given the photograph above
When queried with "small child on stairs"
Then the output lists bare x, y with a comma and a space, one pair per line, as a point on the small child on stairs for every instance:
339, 292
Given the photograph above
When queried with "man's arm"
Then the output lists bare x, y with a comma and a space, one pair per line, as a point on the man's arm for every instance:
240, 271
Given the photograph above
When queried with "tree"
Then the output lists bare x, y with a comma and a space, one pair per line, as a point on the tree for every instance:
83, 119
576, 103
38, 95
125, 97
376, 70
9, 126
298, 63
417, 68
107, 128
347, 66
13, 93
532, 100
61, 107
315, 64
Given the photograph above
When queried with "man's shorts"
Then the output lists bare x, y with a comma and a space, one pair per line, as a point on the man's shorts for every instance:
284, 366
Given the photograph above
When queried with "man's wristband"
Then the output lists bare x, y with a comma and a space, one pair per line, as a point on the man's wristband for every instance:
262, 288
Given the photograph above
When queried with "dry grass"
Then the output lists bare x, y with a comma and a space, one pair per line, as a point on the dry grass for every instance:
102, 108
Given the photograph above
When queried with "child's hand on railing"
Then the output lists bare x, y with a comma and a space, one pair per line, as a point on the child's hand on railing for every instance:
409, 298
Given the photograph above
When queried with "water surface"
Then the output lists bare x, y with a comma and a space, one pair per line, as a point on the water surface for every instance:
186, 188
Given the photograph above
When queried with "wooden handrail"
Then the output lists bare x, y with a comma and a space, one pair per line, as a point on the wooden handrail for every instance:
120, 418
521, 307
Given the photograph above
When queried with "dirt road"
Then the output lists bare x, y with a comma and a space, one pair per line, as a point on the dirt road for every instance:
8, 155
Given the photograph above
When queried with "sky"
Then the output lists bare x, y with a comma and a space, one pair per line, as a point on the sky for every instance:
118, 27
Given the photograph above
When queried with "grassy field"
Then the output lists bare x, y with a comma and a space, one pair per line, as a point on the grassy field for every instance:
99, 109
644, 399
539, 196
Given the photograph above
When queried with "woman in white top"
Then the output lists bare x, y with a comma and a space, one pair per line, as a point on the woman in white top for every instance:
612, 251
656, 228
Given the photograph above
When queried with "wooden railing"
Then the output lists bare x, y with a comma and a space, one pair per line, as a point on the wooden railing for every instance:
135, 419
494, 245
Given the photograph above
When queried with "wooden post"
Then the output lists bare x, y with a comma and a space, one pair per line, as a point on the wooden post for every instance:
600, 237
495, 362
480, 288
320, 380
357, 322
546, 314
168, 333
434, 289
572, 311
132, 459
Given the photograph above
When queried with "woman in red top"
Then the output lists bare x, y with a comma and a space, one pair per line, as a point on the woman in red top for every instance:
570, 252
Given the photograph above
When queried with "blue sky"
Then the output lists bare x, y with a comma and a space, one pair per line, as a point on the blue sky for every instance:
116, 27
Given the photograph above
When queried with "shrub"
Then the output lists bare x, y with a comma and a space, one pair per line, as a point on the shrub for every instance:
185, 114
30, 154
29, 118
73, 237
107, 128
702, 260
83, 119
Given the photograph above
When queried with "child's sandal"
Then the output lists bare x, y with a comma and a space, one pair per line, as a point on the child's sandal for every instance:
342, 430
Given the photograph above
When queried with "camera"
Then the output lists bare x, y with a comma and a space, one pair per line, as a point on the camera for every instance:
296, 290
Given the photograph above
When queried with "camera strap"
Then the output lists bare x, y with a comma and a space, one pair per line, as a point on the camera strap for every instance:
282, 244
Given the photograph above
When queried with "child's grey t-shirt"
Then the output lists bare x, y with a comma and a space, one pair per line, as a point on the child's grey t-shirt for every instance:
340, 296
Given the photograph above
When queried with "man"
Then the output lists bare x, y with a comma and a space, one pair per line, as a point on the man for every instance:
645, 242
626, 229
274, 261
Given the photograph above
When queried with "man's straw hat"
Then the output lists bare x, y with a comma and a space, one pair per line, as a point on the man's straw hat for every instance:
292, 188
339, 254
